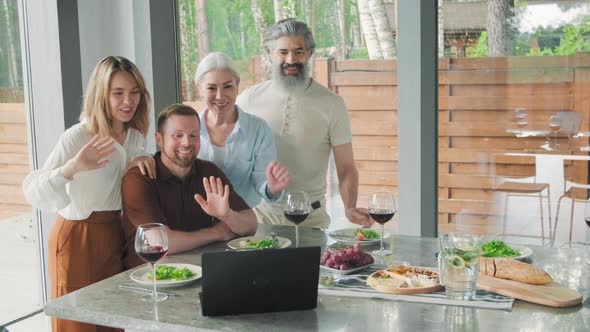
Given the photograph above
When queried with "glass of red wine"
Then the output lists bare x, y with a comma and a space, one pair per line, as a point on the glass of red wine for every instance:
151, 244
296, 210
381, 209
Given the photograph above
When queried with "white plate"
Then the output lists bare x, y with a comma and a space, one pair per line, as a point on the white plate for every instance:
141, 275
346, 235
524, 251
349, 271
235, 243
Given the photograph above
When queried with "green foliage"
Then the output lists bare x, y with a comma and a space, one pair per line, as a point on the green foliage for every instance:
359, 53
10, 51
540, 52
481, 48
573, 39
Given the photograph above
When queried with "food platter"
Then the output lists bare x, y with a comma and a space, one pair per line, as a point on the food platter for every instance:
347, 235
141, 275
236, 243
391, 281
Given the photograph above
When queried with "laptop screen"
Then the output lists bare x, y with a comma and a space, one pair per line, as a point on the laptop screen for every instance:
238, 282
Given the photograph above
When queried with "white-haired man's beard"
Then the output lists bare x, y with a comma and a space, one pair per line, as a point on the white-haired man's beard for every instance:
291, 83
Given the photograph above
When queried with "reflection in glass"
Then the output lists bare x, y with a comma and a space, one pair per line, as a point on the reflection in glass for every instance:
460, 319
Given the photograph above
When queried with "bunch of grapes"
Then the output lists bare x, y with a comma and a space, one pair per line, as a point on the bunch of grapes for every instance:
345, 259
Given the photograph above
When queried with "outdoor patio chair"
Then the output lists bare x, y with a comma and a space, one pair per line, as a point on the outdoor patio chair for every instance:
525, 186
575, 191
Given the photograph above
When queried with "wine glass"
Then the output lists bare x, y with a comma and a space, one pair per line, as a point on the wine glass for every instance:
296, 210
520, 117
381, 209
151, 244
587, 219
554, 127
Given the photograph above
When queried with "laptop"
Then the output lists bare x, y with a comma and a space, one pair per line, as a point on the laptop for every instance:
256, 281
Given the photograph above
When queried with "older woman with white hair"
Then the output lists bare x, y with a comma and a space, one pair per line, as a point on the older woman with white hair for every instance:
240, 144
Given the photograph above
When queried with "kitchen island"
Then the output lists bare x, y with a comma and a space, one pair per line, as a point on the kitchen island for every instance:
105, 303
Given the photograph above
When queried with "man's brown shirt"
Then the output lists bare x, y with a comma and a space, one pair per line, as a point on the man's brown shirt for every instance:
168, 200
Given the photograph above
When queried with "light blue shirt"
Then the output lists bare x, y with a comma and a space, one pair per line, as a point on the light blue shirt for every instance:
249, 149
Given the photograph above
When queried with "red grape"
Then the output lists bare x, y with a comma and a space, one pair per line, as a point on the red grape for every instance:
346, 258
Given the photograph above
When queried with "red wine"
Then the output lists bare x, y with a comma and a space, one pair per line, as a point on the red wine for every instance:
381, 216
587, 221
152, 254
297, 216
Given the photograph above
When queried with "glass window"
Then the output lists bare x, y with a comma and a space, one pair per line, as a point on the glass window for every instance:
354, 57
513, 119
20, 281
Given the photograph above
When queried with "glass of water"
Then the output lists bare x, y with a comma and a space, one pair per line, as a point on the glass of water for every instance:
458, 263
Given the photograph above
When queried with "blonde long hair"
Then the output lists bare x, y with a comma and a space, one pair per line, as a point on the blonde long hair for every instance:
97, 110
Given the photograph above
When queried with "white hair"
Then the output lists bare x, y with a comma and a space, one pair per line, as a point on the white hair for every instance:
213, 61
288, 27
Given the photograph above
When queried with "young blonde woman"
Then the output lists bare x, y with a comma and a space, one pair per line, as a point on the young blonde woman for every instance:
81, 180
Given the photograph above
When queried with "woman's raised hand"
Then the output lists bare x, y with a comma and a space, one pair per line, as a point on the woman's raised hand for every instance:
277, 177
92, 156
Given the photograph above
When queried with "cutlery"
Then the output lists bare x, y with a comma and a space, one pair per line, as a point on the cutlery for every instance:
342, 236
146, 290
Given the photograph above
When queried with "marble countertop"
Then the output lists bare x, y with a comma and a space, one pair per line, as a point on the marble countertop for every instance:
106, 304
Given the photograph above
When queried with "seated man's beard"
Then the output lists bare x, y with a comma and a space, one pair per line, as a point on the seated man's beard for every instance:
291, 83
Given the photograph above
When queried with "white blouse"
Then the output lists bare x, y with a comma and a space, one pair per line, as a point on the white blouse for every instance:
88, 191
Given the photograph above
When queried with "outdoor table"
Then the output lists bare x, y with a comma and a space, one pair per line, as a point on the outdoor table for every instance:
105, 303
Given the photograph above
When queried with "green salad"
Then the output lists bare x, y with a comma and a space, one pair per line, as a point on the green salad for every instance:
166, 272
366, 234
260, 244
498, 249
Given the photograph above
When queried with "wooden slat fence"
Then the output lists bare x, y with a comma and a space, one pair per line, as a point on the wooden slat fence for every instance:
477, 98
14, 159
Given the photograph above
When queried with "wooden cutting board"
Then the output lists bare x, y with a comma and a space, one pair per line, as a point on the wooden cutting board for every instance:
553, 294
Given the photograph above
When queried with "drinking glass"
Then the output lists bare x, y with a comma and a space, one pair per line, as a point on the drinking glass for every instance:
587, 219
381, 209
520, 117
151, 244
296, 210
458, 263
587, 213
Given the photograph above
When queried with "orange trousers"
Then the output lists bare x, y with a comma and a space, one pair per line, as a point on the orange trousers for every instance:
82, 252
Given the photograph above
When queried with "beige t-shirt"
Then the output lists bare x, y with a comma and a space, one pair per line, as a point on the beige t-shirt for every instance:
305, 126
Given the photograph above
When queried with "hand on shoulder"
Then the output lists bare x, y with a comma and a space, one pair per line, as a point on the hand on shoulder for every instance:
146, 165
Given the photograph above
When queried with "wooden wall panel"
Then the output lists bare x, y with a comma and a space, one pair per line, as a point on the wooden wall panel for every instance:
14, 160
373, 122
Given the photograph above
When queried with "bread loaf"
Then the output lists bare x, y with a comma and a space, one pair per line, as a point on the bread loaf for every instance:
507, 268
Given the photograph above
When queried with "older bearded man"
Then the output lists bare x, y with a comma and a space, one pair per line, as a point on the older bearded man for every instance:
308, 122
